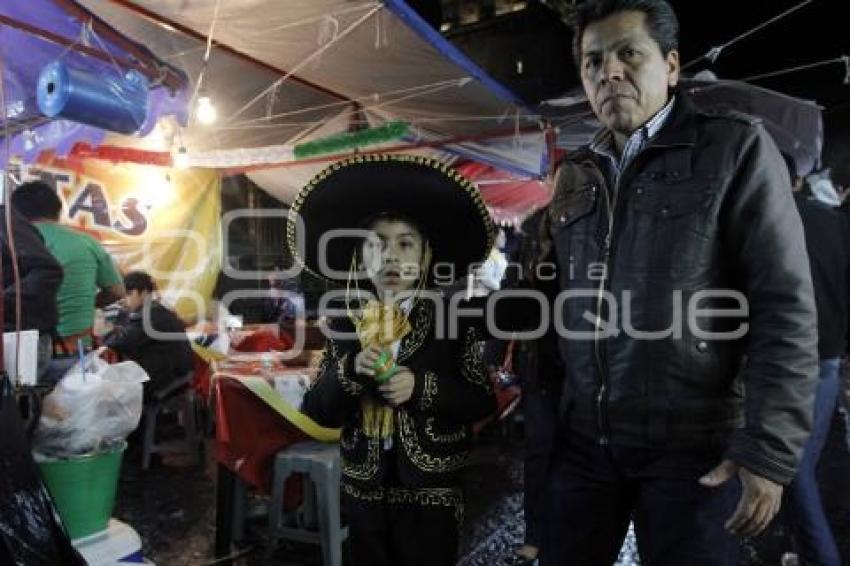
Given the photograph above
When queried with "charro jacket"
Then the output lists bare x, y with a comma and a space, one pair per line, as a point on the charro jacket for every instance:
702, 218
432, 430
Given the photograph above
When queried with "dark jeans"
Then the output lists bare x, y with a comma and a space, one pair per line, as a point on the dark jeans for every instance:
401, 535
815, 543
596, 490
539, 412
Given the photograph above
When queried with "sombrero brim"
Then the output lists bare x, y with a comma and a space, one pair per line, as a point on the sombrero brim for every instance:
443, 203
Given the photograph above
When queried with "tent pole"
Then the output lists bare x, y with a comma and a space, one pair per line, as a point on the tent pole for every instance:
65, 42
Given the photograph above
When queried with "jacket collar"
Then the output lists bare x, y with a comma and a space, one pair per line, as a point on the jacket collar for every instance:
680, 128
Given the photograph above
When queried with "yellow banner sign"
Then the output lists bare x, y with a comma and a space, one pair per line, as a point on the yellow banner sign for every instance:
163, 221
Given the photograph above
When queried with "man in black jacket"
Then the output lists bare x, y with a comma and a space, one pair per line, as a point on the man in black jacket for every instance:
686, 319
40, 277
151, 335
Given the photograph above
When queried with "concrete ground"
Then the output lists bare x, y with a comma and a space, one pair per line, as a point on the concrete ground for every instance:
172, 506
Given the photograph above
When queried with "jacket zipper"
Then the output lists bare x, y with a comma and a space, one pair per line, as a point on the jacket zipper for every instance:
601, 365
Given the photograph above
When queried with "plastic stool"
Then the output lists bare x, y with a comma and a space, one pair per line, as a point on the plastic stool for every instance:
178, 397
321, 465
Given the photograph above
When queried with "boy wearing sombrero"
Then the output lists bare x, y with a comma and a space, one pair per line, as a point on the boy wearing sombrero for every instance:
404, 393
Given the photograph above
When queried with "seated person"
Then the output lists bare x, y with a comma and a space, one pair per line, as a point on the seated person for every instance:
150, 334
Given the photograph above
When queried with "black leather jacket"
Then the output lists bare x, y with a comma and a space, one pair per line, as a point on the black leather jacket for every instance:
706, 206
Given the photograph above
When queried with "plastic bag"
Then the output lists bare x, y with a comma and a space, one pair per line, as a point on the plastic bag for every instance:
31, 533
93, 408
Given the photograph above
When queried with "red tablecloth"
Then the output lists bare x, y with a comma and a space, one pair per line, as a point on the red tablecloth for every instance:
249, 431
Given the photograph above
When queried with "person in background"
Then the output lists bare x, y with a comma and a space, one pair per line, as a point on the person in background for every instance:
287, 301
539, 368
828, 245
40, 280
150, 334
87, 266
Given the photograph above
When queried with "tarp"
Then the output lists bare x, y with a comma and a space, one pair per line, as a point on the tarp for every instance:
161, 221
510, 198
356, 64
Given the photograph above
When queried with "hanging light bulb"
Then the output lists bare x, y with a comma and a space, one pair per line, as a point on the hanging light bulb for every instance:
205, 111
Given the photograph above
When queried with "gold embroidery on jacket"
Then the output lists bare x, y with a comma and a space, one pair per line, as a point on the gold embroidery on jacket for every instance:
348, 385
429, 391
424, 461
331, 356
421, 323
459, 435
472, 365
348, 438
367, 469
425, 496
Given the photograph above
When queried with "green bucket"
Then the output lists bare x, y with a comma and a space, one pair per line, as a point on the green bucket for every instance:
83, 489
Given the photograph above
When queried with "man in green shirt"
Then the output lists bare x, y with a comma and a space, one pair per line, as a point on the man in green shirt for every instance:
91, 279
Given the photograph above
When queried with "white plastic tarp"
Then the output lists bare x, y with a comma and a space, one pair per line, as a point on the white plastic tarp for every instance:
379, 55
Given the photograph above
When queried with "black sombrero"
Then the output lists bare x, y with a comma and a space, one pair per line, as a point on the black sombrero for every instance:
445, 205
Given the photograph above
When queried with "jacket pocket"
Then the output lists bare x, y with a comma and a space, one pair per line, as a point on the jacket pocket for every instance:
573, 230
670, 232
665, 203
567, 208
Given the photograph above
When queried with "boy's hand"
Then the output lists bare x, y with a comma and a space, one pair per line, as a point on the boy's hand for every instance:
364, 362
399, 388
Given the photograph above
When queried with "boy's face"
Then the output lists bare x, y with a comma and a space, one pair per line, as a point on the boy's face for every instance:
393, 257
134, 300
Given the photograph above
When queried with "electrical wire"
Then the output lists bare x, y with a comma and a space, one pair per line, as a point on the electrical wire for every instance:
7, 209
842, 59
206, 60
713, 53
307, 60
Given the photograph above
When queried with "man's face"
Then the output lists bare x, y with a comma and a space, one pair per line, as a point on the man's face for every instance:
392, 257
624, 74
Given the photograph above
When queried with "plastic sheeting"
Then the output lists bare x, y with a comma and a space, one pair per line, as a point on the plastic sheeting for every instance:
374, 61
25, 54
118, 104
31, 533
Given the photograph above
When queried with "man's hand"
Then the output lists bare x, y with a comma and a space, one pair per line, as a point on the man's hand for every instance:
399, 388
759, 503
364, 362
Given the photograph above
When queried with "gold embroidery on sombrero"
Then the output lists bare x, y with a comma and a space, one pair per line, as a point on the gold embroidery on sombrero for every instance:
462, 182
